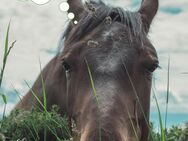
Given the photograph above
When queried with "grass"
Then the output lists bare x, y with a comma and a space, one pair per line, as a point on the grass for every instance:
43, 124
7, 50
174, 133
35, 124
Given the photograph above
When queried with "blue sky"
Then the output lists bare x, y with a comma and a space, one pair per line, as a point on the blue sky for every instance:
37, 30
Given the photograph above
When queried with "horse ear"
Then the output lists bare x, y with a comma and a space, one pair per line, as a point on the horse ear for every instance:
76, 7
148, 11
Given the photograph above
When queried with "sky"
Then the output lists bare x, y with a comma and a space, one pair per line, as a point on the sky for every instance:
38, 28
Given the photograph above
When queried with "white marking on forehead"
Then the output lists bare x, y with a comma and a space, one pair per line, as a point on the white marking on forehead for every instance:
110, 31
108, 65
112, 60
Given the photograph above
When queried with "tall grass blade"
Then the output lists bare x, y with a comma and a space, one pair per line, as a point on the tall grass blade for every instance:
63, 126
5, 56
6, 42
167, 94
17, 93
36, 97
132, 124
5, 102
95, 95
6, 53
92, 83
4, 98
43, 87
32, 133
54, 133
160, 119
7, 50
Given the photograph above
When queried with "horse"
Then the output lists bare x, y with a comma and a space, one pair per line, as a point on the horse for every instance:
102, 76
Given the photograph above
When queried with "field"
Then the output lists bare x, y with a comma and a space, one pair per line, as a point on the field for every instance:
169, 92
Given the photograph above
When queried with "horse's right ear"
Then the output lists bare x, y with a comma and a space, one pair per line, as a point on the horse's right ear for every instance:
148, 11
76, 7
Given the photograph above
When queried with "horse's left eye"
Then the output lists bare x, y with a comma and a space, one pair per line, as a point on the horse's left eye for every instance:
152, 67
66, 66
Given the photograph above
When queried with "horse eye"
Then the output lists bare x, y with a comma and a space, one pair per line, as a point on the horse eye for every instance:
66, 66
152, 67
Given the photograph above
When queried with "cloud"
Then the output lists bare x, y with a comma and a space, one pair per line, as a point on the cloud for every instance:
40, 2
171, 10
176, 103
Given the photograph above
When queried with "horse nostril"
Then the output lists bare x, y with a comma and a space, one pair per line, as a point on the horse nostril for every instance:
66, 66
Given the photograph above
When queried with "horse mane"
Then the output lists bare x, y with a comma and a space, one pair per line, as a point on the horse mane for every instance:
91, 19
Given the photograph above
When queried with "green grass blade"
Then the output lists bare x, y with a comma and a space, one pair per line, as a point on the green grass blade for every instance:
160, 119
5, 103
36, 97
6, 42
95, 94
5, 53
54, 133
167, 94
17, 93
4, 98
7, 50
63, 127
132, 124
92, 83
43, 87
36, 136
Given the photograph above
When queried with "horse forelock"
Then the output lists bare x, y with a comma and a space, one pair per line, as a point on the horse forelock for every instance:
91, 20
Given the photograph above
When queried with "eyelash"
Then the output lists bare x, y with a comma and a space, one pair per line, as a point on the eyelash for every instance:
152, 67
